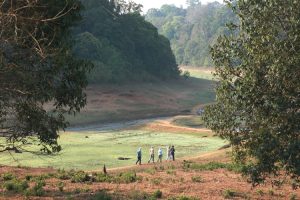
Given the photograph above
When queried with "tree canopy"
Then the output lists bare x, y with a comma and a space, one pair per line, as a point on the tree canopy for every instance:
258, 94
192, 30
121, 44
37, 67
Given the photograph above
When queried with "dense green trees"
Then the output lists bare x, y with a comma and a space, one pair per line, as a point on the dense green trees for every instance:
191, 31
121, 44
258, 94
37, 67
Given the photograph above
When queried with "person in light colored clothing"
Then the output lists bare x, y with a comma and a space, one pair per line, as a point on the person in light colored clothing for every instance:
160, 155
139, 156
151, 152
168, 153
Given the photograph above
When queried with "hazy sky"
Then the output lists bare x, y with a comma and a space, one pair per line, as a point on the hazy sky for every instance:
158, 3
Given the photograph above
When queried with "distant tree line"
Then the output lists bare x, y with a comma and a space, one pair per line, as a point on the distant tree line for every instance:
121, 44
193, 30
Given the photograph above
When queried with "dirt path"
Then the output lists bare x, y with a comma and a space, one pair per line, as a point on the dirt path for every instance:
162, 121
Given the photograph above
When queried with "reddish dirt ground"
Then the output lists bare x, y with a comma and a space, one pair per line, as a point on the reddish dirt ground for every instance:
169, 177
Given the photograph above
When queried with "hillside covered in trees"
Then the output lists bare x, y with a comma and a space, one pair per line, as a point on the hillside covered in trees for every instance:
121, 44
193, 30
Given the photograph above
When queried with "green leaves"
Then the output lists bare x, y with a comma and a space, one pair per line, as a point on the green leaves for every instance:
38, 70
258, 100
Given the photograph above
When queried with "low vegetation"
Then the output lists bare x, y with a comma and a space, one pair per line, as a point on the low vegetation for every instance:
212, 166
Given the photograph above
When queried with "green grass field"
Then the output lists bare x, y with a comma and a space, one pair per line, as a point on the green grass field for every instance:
199, 72
99, 148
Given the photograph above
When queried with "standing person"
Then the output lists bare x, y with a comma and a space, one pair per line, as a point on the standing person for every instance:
151, 152
160, 155
172, 152
168, 153
139, 156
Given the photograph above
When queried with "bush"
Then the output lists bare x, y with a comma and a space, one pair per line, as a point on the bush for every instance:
38, 188
103, 178
77, 191
186, 198
63, 175
102, 195
8, 176
16, 185
197, 179
60, 186
157, 194
80, 177
171, 172
156, 181
212, 166
293, 197
127, 177
186, 74
28, 177
229, 194
140, 195
260, 192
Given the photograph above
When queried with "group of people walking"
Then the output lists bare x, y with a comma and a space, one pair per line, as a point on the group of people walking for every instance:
170, 154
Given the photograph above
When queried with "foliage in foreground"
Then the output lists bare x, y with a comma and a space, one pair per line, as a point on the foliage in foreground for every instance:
258, 68
37, 67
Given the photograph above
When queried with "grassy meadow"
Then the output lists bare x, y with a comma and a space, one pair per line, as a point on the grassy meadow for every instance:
90, 150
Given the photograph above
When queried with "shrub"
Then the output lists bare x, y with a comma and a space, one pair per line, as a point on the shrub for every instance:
102, 195
293, 197
38, 188
156, 181
16, 185
8, 176
63, 175
186, 74
77, 191
271, 192
260, 192
60, 186
80, 177
140, 195
41, 177
212, 166
28, 177
197, 179
171, 172
150, 171
127, 177
101, 177
186, 198
229, 194
157, 194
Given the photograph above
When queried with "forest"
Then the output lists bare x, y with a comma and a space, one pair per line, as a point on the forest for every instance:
122, 46
192, 30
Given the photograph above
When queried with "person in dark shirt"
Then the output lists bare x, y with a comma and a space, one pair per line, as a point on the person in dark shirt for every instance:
172, 152
139, 156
